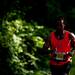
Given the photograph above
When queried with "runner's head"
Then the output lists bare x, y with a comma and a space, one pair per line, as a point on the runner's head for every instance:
60, 23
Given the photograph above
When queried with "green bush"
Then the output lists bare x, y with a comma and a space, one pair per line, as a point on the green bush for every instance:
25, 41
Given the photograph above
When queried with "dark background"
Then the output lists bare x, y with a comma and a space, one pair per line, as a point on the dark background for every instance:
42, 11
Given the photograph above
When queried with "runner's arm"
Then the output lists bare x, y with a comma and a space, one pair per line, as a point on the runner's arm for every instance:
47, 46
72, 37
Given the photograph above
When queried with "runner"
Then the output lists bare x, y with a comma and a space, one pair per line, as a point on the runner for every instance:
61, 43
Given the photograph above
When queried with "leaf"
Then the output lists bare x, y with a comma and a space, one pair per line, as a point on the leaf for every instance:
31, 56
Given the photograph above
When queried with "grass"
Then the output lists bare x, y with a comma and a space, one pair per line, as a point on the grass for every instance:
72, 72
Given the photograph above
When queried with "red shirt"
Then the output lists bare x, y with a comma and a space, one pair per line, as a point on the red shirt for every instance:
62, 45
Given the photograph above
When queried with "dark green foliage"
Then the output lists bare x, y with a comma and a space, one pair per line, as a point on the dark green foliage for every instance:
24, 42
